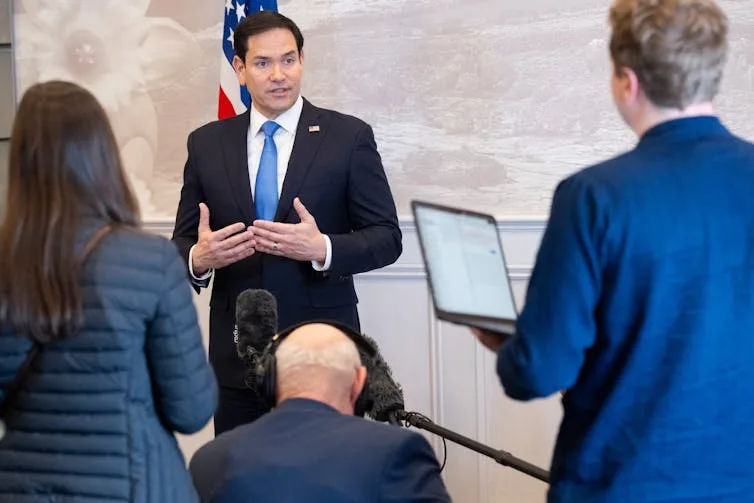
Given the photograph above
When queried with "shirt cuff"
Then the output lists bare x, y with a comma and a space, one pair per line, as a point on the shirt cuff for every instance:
204, 276
328, 256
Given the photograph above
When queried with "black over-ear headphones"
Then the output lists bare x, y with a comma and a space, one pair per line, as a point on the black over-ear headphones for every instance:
265, 372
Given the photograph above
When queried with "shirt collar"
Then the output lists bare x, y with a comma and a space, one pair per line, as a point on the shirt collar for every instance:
687, 128
288, 120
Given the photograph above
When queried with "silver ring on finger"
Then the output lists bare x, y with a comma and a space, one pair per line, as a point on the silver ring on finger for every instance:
274, 245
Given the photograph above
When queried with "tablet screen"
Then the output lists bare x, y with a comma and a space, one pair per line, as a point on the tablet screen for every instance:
465, 263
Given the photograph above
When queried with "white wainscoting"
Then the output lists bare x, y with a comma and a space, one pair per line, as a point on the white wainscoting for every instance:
446, 374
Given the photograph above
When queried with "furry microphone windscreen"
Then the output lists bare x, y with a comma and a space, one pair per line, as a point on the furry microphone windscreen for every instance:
256, 321
385, 395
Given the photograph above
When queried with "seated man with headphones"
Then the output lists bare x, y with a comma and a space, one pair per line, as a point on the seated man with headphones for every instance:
311, 448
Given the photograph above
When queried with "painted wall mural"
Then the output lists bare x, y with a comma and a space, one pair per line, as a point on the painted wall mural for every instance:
479, 103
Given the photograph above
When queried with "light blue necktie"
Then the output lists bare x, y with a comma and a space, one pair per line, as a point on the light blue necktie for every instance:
266, 188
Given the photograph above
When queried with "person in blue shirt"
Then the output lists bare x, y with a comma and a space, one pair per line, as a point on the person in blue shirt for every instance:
641, 302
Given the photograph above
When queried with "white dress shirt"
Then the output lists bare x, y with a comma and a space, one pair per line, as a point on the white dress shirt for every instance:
284, 138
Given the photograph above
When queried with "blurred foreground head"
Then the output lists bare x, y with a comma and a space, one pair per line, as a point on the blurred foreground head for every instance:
64, 167
668, 56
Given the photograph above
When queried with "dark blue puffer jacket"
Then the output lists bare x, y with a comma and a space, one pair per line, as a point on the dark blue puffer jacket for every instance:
96, 418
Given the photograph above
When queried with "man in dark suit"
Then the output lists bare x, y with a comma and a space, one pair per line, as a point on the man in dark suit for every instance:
287, 197
310, 447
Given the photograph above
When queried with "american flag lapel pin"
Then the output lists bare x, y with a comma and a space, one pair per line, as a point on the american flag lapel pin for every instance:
314, 129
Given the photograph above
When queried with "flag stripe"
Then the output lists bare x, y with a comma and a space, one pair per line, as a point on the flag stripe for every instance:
224, 106
231, 88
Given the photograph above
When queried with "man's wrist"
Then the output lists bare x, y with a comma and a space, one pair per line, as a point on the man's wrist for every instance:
196, 269
324, 264
322, 256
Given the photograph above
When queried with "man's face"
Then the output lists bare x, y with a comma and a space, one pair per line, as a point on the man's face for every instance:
272, 71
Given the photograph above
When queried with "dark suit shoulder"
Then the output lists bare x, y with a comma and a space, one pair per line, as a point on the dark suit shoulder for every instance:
208, 466
213, 130
410, 471
665, 155
380, 436
210, 454
383, 436
608, 181
606, 169
340, 119
403, 447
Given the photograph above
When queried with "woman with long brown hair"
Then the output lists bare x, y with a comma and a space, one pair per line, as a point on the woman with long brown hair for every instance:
100, 350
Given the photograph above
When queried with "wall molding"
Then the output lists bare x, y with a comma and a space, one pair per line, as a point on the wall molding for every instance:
417, 271
505, 224
162, 227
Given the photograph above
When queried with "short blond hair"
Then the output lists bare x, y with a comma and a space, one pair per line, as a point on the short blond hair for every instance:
677, 48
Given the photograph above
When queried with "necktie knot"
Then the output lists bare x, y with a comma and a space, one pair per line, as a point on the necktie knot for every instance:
269, 128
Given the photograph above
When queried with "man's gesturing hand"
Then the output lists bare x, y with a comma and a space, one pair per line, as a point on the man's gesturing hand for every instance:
218, 249
301, 241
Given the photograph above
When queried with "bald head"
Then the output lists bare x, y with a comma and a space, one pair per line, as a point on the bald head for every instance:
321, 340
319, 362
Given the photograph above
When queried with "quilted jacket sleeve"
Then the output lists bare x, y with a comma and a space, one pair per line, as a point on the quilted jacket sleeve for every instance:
185, 387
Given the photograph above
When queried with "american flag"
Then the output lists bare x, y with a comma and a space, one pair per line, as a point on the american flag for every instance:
234, 99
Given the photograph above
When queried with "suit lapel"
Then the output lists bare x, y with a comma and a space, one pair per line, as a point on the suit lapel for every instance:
237, 164
311, 130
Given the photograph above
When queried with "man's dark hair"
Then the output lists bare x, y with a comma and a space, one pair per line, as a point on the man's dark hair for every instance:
260, 22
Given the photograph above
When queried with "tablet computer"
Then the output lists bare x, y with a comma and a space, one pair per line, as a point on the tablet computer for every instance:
466, 269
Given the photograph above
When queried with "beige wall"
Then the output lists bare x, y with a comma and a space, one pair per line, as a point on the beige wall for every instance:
474, 102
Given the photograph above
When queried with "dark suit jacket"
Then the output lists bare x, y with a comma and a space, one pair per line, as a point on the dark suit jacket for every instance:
306, 451
338, 175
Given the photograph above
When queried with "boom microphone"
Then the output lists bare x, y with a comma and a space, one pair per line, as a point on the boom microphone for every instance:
256, 323
385, 395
